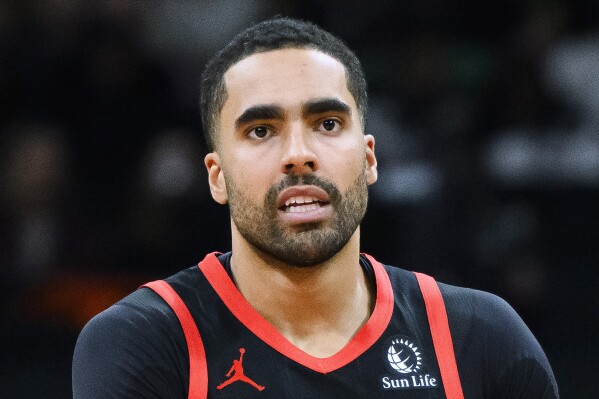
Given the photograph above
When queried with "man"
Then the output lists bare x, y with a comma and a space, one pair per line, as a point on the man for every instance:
294, 311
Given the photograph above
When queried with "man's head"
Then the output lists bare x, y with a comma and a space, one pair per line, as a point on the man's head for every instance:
266, 36
292, 160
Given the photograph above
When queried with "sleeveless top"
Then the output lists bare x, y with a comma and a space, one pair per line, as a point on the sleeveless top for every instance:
234, 352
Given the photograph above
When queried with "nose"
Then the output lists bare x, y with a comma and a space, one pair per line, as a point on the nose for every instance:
299, 158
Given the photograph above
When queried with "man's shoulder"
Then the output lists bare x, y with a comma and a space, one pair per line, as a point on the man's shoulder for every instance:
472, 313
483, 309
484, 325
133, 316
487, 308
137, 313
134, 346
455, 295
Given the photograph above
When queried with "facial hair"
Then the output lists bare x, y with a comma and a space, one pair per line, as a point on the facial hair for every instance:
313, 243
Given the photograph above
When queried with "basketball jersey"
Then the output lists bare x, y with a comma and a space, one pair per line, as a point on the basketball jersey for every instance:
234, 352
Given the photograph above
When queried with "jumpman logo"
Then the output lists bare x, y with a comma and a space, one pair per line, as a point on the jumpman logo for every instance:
238, 375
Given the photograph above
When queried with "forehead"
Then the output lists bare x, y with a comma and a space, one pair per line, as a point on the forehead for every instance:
286, 77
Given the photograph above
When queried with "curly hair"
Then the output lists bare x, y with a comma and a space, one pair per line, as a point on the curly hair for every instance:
265, 36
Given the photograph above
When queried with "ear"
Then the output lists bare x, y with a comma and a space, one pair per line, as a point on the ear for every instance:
371, 165
216, 178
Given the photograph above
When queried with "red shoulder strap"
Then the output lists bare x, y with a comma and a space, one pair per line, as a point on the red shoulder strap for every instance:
437, 319
198, 370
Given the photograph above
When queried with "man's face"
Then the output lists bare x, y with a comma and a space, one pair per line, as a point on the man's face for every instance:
292, 159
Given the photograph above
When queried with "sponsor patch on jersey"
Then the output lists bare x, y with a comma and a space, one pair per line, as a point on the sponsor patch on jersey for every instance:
408, 368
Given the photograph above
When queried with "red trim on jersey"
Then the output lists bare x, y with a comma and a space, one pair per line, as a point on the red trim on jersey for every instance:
198, 370
364, 339
437, 319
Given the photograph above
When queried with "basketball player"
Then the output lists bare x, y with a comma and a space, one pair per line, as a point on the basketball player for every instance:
294, 310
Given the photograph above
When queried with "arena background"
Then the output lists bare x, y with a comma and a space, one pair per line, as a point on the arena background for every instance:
486, 116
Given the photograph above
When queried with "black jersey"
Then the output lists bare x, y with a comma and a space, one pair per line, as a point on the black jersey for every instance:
137, 348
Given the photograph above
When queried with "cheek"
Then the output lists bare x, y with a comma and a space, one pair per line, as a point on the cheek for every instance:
344, 159
252, 180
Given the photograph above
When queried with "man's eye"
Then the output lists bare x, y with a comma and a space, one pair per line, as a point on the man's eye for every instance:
259, 132
330, 125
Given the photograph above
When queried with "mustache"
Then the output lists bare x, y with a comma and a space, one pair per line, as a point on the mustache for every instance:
291, 180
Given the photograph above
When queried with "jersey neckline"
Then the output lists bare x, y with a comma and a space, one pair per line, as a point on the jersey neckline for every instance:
368, 334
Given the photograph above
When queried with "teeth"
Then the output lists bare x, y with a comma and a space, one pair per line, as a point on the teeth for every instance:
302, 208
300, 200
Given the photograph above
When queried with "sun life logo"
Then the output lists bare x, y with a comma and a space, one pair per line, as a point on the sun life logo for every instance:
403, 356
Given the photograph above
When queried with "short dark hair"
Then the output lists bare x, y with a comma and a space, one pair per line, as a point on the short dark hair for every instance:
265, 36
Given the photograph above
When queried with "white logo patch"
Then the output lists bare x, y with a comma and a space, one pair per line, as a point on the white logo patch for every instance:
403, 356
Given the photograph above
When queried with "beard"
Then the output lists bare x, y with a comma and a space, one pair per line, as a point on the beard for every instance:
311, 243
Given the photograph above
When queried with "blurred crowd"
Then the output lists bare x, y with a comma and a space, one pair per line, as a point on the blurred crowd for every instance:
486, 116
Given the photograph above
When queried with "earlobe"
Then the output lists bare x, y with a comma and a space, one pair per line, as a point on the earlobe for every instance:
216, 178
371, 164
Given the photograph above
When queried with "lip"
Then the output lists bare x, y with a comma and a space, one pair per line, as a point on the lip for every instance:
302, 191
311, 216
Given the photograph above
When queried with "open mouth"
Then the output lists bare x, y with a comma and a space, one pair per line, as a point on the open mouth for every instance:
299, 205
302, 204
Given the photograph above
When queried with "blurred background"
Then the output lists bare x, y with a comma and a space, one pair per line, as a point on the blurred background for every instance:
486, 116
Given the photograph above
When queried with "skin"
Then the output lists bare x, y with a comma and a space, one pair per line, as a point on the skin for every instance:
320, 304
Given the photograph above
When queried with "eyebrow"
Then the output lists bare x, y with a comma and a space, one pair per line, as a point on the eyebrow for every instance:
258, 112
272, 111
324, 105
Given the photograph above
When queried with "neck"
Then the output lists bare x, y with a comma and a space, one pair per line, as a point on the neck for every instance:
318, 308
